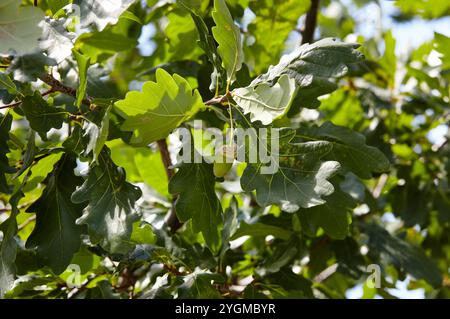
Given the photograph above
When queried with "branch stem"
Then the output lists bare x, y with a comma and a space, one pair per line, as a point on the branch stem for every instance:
171, 220
310, 22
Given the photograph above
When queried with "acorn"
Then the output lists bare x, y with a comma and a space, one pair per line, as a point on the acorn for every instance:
224, 160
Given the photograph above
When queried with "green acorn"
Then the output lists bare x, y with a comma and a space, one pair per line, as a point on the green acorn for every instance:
225, 155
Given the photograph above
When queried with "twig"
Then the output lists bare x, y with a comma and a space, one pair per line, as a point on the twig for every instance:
172, 220
325, 274
218, 99
10, 106
59, 87
380, 185
310, 22
165, 156
15, 104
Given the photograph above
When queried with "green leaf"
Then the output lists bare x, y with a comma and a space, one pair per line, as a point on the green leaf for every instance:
197, 200
401, 254
56, 236
96, 130
6, 83
29, 67
208, 45
300, 181
228, 36
83, 65
261, 230
56, 40
111, 210
101, 13
274, 20
160, 108
389, 59
266, 103
40, 170
29, 155
8, 246
19, 29
350, 150
333, 216
94, 45
282, 255
143, 234
141, 164
197, 285
442, 44
41, 116
313, 66
230, 224
182, 36
5, 127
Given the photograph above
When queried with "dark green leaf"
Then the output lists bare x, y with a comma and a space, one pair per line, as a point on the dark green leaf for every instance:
313, 66
111, 210
351, 151
402, 254
5, 126
8, 246
41, 116
56, 236
197, 200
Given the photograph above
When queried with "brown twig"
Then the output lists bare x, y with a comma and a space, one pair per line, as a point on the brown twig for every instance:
172, 220
15, 104
218, 99
57, 86
310, 22
10, 106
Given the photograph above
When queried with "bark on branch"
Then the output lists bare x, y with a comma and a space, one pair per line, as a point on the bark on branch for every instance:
171, 220
310, 22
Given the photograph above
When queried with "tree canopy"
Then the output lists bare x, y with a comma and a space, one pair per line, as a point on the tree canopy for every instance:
100, 102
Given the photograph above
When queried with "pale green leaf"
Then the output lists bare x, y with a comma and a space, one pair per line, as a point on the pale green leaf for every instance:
160, 108
83, 65
266, 103
19, 29
101, 13
313, 66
